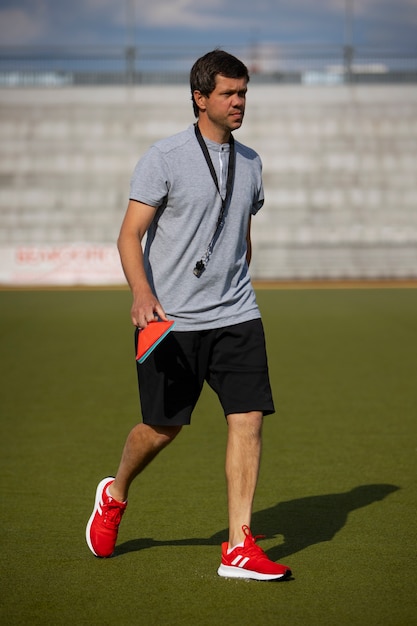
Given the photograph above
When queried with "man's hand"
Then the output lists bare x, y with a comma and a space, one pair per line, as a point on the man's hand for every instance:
146, 308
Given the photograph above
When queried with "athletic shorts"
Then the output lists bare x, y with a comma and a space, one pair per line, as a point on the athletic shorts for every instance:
232, 360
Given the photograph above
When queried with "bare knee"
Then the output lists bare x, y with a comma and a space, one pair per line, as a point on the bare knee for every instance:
163, 435
247, 424
157, 437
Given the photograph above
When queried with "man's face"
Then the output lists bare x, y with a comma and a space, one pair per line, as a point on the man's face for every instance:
225, 106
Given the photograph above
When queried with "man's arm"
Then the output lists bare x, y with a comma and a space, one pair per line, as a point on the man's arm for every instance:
137, 220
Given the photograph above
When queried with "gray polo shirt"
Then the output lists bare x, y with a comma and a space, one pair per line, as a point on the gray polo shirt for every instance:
173, 176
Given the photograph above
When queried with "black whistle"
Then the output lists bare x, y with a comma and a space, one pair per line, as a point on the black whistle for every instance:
199, 269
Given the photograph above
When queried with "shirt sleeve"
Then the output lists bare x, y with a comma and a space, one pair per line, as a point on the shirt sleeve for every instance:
150, 179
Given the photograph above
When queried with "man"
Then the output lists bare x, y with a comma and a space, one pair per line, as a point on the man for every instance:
193, 194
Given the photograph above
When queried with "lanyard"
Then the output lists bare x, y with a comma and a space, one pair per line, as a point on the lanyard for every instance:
201, 265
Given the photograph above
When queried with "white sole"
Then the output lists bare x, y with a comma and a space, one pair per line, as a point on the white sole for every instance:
229, 571
99, 491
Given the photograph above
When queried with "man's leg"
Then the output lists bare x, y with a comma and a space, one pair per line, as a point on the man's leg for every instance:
243, 456
242, 557
142, 445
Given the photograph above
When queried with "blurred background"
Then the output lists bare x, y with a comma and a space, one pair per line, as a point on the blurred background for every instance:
87, 86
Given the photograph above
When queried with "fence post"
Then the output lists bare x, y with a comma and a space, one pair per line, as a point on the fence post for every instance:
348, 63
130, 64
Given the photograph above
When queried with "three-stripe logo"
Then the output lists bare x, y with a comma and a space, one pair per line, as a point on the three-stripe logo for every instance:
240, 561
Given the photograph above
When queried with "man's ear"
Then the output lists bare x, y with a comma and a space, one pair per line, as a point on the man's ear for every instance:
200, 100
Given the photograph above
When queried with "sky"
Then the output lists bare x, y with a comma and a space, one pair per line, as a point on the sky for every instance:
389, 24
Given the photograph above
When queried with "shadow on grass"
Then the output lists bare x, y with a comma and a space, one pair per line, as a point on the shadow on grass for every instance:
302, 522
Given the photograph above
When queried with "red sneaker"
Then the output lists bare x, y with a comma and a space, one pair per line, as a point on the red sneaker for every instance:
103, 525
250, 562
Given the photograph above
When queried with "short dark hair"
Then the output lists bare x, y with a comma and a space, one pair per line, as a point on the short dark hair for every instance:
205, 69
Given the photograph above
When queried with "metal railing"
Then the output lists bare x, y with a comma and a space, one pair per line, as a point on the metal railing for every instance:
30, 66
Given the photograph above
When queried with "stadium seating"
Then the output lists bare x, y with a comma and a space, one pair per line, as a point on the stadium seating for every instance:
340, 170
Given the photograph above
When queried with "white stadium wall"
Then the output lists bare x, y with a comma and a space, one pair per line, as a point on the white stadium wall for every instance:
340, 176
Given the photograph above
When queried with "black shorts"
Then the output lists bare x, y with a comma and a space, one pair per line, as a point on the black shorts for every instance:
232, 360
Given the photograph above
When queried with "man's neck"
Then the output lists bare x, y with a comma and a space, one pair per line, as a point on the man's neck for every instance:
214, 133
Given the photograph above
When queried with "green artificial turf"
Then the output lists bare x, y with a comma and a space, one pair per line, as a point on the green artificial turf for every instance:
337, 495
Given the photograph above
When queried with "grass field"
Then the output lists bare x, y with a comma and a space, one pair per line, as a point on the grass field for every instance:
337, 496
